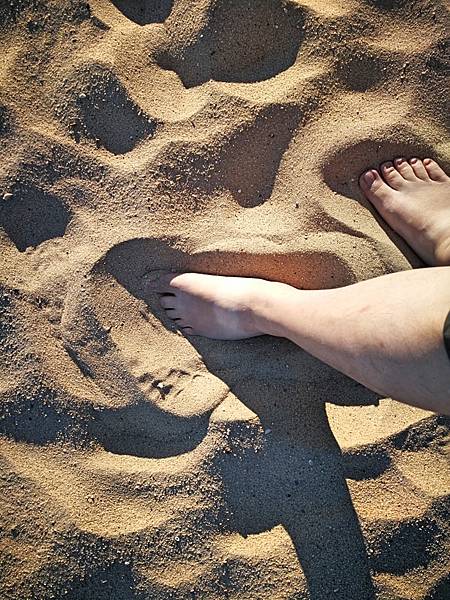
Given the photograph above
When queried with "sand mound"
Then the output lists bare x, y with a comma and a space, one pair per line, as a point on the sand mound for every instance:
222, 137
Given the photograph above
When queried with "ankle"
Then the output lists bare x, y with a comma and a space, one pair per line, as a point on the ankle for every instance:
270, 305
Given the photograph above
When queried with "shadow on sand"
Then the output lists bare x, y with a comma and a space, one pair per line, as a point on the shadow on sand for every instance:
297, 477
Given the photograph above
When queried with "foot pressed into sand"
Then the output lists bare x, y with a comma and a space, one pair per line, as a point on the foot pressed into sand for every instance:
412, 196
221, 308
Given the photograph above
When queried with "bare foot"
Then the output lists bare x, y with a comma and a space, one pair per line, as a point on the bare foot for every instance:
414, 198
222, 308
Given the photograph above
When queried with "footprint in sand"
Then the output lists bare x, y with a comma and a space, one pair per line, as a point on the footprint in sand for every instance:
143, 12
248, 178
361, 69
240, 41
98, 107
156, 390
31, 216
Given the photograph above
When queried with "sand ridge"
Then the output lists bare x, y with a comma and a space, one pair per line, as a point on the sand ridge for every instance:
220, 136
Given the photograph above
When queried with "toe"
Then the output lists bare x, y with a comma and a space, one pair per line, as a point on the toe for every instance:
405, 169
392, 176
173, 314
188, 330
182, 324
375, 188
419, 169
434, 170
168, 301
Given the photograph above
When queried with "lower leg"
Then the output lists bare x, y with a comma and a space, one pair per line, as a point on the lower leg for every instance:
385, 333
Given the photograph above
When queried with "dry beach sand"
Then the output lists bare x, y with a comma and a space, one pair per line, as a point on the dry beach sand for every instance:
223, 136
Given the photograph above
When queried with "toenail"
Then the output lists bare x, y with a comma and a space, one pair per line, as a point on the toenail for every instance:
369, 177
413, 160
427, 161
398, 161
388, 165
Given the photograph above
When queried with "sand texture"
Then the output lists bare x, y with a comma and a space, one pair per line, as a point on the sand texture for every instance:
223, 136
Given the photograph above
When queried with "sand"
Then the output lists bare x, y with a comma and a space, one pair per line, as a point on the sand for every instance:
223, 136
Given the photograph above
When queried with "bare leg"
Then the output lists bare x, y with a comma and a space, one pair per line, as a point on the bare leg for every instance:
385, 333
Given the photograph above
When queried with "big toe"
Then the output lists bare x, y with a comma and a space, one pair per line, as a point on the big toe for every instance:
376, 189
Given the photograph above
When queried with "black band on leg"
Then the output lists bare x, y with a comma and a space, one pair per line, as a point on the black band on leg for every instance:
447, 334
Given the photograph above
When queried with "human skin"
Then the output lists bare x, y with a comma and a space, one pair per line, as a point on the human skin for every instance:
386, 333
